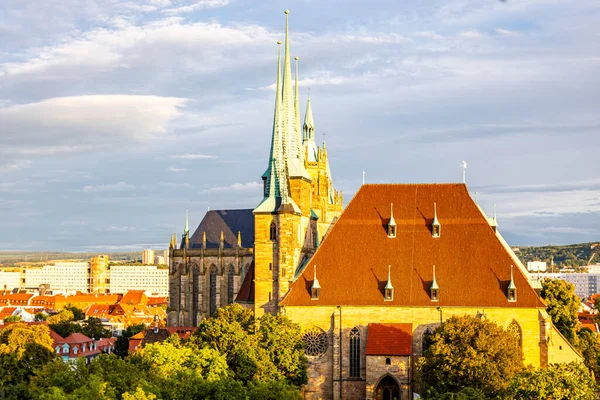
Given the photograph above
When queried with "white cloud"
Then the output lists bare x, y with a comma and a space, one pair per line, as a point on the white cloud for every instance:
506, 32
237, 187
188, 156
173, 185
72, 123
173, 169
14, 165
114, 187
429, 34
471, 34
113, 228
198, 5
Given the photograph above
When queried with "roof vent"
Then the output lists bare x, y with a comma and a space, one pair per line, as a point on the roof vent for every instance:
434, 289
392, 224
315, 289
435, 225
388, 294
512, 289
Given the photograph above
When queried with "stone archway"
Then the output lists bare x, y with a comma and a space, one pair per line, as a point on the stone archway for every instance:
387, 389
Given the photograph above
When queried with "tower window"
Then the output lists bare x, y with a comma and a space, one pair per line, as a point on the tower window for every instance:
273, 232
434, 294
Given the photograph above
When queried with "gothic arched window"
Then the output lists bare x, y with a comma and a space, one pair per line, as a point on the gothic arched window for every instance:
515, 330
273, 232
212, 291
230, 274
355, 353
426, 340
195, 294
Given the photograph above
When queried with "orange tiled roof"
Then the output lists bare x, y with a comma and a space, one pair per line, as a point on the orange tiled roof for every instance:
389, 340
472, 266
134, 297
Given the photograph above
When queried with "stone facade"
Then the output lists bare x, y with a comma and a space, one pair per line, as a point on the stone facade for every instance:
201, 279
326, 371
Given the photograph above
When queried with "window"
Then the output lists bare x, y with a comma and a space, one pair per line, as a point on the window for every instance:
355, 353
512, 294
434, 294
389, 294
436, 231
392, 231
230, 284
213, 290
426, 340
273, 232
388, 361
315, 341
315, 292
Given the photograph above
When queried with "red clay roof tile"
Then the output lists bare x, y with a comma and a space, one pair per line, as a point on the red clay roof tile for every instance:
472, 265
389, 340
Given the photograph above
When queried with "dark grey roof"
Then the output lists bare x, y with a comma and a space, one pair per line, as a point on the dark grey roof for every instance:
228, 221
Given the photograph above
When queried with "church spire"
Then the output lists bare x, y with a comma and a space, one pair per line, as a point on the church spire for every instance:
309, 123
276, 177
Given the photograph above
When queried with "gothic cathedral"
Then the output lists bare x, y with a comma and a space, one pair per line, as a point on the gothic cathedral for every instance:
251, 256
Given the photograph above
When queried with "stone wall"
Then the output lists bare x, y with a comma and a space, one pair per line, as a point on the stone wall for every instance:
398, 368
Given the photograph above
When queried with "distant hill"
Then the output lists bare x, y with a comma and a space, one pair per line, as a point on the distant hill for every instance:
37, 257
571, 255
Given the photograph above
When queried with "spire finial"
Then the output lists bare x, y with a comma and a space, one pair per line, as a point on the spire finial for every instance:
204, 239
239, 239
297, 116
363, 176
187, 226
477, 198
495, 220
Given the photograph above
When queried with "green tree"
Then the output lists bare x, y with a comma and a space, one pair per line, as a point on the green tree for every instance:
588, 345
557, 381
62, 316
469, 352
562, 305
172, 358
78, 314
39, 317
93, 328
62, 323
122, 343
13, 318
282, 340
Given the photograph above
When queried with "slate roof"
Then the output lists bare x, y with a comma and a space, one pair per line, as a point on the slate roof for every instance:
228, 221
472, 265
389, 340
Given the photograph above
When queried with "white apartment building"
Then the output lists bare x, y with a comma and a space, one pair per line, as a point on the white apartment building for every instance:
67, 276
148, 256
139, 277
10, 280
536, 266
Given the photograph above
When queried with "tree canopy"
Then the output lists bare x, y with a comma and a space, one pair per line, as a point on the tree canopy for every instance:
557, 381
562, 305
468, 352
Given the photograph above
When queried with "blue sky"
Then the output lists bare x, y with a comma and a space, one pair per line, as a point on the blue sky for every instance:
116, 116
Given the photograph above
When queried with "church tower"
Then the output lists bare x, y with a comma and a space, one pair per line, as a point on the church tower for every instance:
285, 222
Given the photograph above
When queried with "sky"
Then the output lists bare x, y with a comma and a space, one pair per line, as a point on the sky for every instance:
117, 116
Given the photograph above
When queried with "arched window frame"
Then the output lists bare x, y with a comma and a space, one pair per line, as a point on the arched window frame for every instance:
273, 232
230, 284
212, 292
354, 353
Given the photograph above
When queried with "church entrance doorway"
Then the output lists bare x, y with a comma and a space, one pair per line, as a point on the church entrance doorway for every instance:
388, 389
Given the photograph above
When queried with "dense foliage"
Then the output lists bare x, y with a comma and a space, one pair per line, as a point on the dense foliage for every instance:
562, 305
231, 356
469, 352
557, 381
572, 256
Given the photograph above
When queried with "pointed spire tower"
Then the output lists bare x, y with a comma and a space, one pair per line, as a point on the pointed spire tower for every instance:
291, 143
308, 135
276, 182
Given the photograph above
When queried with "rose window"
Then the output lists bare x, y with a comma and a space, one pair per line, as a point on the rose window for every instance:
315, 340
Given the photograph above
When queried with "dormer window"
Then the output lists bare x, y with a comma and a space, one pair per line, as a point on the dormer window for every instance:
435, 225
273, 232
388, 292
434, 289
392, 223
315, 289
512, 289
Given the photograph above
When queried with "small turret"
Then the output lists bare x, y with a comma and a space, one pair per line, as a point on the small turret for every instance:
389, 288
392, 223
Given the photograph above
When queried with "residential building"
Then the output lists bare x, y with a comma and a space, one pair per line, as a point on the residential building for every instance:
148, 256
586, 284
65, 276
536, 266
98, 274
135, 277
10, 279
77, 345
